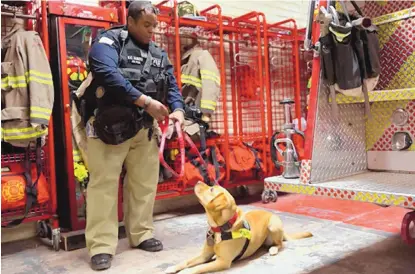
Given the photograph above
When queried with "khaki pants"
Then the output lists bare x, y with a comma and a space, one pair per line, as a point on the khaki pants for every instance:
140, 157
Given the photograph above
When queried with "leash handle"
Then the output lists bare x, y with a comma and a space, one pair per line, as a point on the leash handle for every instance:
164, 125
182, 139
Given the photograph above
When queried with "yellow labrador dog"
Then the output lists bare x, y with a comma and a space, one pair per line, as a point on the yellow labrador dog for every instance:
233, 235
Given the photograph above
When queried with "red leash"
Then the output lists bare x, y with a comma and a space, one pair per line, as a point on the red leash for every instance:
164, 125
182, 137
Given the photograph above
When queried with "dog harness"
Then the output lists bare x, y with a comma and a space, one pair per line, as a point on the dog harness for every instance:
221, 233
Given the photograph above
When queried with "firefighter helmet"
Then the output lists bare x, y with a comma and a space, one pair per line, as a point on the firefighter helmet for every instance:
76, 70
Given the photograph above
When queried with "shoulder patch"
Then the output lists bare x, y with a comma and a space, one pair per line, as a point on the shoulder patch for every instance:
106, 40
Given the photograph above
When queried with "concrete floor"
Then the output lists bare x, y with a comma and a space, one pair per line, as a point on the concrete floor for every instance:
349, 237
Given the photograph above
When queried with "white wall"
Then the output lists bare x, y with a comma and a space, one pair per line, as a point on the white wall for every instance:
274, 10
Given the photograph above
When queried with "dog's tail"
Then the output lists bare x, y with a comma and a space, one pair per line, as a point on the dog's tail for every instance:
296, 236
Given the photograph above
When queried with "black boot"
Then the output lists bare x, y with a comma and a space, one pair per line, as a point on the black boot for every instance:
151, 245
101, 261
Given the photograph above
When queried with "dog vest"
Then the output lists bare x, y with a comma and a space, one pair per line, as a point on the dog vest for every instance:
221, 233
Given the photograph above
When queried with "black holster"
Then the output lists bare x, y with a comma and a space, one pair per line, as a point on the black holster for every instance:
148, 121
116, 124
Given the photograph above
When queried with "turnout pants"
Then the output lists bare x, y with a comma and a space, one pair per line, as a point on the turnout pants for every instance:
140, 157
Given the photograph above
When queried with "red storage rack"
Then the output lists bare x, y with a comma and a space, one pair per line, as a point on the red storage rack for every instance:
246, 107
288, 74
220, 44
45, 214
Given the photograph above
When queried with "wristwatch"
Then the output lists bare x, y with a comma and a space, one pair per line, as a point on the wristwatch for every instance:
147, 101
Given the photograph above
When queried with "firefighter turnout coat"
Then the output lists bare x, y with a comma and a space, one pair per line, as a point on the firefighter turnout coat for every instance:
200, 78
27, 92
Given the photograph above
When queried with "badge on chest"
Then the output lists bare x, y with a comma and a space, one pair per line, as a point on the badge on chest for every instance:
136, 60
156, 62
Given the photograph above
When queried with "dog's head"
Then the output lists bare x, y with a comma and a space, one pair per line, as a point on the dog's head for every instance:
218, 203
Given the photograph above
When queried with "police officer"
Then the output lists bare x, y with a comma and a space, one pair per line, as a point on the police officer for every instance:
131, 78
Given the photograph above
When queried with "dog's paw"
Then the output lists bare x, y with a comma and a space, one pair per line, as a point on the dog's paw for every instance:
186, 271
171, 270
273, 250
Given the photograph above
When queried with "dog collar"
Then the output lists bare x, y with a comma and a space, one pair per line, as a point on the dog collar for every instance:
228, 225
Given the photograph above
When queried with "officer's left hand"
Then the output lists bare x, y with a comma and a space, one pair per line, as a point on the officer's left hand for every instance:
177, 116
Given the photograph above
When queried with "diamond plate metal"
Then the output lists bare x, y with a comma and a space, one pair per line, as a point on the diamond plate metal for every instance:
378, 96
384, 188
379, 129
380, 182
378, 8
339, 144
397, 55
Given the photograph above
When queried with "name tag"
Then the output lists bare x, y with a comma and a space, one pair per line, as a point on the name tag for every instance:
135, 59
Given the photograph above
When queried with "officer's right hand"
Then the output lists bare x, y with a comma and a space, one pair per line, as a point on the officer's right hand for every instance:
157, 110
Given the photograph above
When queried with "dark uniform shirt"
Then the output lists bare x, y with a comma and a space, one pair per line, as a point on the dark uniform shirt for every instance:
103, 61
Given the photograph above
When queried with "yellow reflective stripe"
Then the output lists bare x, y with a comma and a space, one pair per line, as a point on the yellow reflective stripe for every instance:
17, 130
19, 85
190, 82
14, 82
25, 136
22, 136
22, 81
192, 78
208, 72
210, 75
14, 78
40, 109
38, 80
339, 36
40, 113
207, 107
208, 104
40, 116
38, 73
